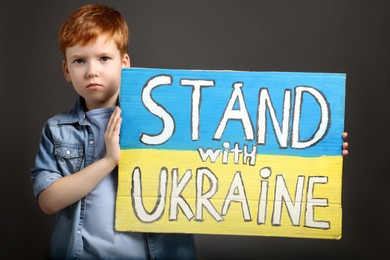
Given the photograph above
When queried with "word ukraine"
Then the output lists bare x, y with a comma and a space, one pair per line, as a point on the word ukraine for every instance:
228, 152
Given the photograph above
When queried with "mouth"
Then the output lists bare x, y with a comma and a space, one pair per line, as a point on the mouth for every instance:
94, 86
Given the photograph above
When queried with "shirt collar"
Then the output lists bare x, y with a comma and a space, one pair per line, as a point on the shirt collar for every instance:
76, 114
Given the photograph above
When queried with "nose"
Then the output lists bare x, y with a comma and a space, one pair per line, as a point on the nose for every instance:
92, 70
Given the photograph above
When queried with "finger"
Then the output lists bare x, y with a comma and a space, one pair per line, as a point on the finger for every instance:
345, 145
114, 117
345, 152
117, 127
345, 135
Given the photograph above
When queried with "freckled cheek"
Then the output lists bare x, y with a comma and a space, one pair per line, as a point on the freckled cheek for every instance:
76, 74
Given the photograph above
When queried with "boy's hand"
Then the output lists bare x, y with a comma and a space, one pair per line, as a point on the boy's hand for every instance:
111, 136
345, 144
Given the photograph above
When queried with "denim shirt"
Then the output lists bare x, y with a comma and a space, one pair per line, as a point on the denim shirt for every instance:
66, 146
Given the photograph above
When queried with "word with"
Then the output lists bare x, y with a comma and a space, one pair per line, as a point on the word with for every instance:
213, 155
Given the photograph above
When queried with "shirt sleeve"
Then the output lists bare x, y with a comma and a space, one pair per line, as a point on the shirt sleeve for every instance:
45, 170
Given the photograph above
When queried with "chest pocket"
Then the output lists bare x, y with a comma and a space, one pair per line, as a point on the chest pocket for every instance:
69, 157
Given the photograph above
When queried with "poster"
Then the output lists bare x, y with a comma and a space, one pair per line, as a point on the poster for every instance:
231, 152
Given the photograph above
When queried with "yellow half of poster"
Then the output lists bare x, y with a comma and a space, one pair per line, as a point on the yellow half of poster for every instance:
176, 193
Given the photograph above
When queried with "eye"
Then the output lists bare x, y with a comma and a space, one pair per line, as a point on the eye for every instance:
79, 61
104, 58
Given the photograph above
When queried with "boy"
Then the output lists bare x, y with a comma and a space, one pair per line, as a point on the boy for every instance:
75, 172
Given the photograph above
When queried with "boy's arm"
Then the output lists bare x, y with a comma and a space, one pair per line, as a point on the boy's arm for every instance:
70, 189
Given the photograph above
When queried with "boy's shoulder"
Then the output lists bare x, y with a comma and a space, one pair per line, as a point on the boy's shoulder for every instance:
76, 114
63, 118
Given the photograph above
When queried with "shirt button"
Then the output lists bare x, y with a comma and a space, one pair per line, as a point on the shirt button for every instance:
91, 142
68, 152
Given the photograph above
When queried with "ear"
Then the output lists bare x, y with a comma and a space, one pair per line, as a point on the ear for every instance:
66, 71
126, 61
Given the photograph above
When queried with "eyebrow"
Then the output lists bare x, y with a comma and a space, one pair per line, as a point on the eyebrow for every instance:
76, 56
83, 56
106, 54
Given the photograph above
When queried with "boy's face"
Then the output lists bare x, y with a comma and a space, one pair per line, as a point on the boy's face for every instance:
95, 71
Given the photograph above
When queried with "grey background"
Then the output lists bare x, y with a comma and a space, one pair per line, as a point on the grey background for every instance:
343, 36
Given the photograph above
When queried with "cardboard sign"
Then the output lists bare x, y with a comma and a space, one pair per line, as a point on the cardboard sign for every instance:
231, 152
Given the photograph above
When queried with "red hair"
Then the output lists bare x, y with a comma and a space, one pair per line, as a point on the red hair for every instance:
88, 22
